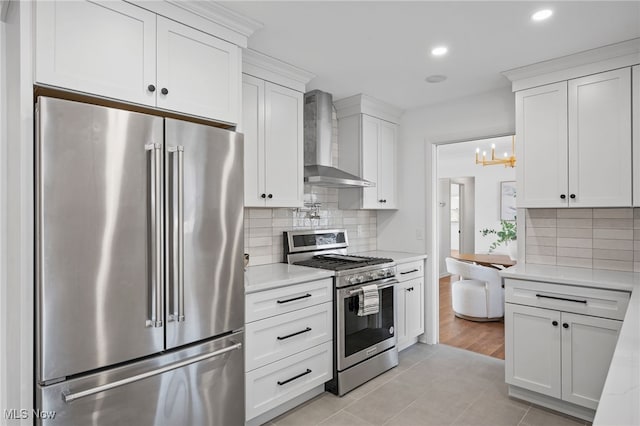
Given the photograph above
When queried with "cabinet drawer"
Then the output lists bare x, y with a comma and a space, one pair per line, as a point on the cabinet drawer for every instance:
271, 339
411, 270
281, 300
581, 300
278, 382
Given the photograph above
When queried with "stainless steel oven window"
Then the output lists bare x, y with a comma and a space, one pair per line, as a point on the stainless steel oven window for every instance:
359, 338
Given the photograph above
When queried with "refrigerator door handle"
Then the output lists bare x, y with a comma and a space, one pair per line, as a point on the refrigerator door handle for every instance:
155, 195
72, 396
177, 263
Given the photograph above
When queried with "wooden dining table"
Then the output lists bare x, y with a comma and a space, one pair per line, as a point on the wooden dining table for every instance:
484, 259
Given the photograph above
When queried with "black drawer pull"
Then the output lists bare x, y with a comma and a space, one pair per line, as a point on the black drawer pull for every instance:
295, 298
294, 334
294, 377
409, 272
561, 298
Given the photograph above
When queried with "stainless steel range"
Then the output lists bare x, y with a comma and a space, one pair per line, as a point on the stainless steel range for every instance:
364, 344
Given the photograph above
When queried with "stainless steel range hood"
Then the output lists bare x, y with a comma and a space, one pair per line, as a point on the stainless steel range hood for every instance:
317, 145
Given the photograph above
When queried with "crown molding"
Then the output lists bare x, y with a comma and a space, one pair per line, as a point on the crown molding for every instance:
269, 68
205, 16
221, 15
579, 64
365, 104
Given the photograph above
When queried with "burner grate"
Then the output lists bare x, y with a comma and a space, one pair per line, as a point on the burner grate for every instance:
337, 262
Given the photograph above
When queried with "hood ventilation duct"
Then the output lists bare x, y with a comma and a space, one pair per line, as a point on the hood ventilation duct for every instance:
318, 127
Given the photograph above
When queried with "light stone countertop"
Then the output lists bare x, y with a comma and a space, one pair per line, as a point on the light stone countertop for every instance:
398, 256
620, 401
274, 275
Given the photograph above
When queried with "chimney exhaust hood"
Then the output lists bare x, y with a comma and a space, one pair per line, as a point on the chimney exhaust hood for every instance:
318, 127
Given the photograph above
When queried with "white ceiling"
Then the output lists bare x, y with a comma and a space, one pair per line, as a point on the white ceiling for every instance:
383, 48
462, 150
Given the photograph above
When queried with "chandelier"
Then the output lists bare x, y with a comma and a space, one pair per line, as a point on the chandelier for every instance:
507, 160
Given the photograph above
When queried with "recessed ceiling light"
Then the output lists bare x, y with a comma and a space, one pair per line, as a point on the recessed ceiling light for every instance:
439, 51
541, 15
436, 78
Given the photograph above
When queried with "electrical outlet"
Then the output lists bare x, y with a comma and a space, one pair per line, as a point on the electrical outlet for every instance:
419, 234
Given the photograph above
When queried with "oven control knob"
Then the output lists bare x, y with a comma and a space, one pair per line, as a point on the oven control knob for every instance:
391, 330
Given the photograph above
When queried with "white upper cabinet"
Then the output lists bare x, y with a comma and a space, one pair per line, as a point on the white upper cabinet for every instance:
541, 138
600, 140
367, 134
574, 142
104, 48
273, 156
199, 73
120, 51
635, 96
253, 129
284, 177
272, 126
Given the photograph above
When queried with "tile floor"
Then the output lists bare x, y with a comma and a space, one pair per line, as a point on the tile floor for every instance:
432, 385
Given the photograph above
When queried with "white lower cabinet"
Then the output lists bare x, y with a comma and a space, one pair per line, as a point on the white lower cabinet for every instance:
409, 297
278, 382
559, 354
288, 346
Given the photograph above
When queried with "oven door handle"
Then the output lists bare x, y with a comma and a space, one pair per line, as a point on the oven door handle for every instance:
387, 283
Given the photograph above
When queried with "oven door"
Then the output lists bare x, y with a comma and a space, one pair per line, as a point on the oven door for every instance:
360, 337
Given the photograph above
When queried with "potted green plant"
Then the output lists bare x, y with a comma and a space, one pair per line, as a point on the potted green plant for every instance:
507, 236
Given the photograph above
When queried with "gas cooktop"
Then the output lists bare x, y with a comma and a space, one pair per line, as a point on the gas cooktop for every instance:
341, 262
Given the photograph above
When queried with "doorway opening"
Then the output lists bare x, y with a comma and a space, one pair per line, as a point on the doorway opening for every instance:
467, 200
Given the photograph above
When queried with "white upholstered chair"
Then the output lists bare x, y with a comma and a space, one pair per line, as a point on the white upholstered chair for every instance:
478, 295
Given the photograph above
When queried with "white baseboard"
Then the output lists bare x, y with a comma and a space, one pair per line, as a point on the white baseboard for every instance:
552, 403
289, 405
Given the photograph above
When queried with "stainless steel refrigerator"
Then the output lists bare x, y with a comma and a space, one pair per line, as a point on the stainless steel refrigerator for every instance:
139, 275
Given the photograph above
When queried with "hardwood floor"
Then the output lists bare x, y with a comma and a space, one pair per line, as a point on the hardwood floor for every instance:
482, 337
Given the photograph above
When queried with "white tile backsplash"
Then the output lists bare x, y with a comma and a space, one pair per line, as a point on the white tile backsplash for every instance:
263, 227
586, 238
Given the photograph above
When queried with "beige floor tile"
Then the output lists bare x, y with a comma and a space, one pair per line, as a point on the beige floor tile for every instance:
487, 411
383, 403
314, 411
539, 417
342, 418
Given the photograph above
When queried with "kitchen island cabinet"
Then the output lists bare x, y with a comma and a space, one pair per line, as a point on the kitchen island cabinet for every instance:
120, 51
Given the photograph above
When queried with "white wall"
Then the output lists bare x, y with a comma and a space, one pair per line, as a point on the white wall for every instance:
483, 115
487, 186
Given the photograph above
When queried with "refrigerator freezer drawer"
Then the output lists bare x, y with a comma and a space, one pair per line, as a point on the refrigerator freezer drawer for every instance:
200, 385
276, 383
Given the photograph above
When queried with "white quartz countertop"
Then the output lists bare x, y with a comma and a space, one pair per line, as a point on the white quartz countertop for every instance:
398, 256
620, 401
274, 275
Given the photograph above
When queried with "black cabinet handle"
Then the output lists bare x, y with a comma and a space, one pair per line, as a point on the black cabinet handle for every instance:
381, 201
151, 88
410, 289
294, 377
270, 196
562, 196
263, 196
164, 91
561, 298
555, 323
409, 272
294, 299
294, 334
565, 325
572, 196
